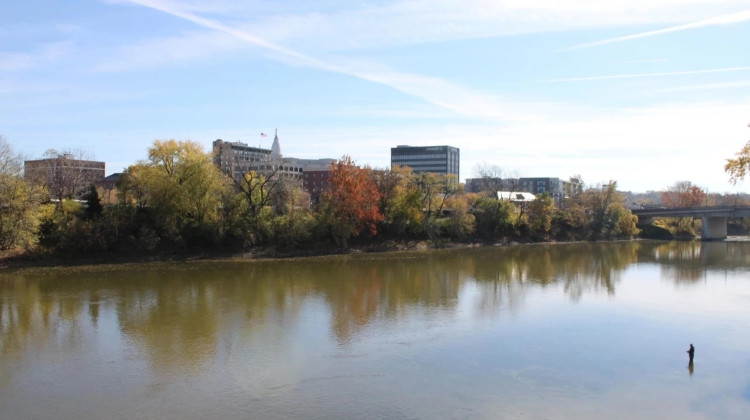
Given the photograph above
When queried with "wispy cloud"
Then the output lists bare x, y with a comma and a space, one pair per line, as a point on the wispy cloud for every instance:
646, 75
169, 51
708, 86
738, 17
338, 25
434, 90
586, 140
21, 61
646, 60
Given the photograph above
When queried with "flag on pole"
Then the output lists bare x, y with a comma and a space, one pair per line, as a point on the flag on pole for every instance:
263, 135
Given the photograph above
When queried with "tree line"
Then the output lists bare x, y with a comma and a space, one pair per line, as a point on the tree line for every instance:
177, 200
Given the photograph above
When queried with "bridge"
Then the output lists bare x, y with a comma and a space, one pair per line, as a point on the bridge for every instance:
713, 218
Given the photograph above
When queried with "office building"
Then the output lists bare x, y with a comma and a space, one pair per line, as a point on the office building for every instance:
64, 176
237, 159
443, 160
478, 185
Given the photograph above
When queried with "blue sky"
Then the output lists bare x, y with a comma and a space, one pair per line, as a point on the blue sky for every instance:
645, 92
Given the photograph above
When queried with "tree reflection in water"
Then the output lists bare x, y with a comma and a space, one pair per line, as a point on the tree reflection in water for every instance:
176, 313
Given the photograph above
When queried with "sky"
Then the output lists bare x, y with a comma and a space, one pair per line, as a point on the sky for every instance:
643, 92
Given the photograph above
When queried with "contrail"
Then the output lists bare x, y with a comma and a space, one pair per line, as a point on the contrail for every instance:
642, 75
242, 35
433, 90
721, 20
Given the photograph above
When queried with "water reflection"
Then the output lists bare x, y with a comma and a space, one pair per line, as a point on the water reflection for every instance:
688, 261
175, 312
182, 317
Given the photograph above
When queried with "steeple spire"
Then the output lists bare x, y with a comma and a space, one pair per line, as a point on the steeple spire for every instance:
276, 147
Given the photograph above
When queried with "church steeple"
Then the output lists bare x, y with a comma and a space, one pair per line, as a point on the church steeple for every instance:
276, 147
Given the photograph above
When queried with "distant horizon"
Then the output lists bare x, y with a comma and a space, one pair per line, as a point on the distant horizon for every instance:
646, 93
462, 180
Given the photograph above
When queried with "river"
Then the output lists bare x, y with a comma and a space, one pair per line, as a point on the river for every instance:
564, 331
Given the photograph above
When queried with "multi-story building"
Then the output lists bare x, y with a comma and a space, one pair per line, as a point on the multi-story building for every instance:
555, 187
65, 176
316, 182
478, 185
443, 160
237, 159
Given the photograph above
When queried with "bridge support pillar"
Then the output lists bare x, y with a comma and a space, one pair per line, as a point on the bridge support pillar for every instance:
713, 228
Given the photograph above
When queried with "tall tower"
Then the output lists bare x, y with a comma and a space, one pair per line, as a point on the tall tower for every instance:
276, 147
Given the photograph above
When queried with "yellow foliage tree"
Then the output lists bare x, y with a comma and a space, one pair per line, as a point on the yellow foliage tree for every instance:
737, 168
180, 181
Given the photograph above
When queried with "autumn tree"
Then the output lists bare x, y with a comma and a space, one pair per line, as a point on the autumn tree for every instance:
19, 202
256, 187
436, 189
132, 187
181, 184
684, 194
400, 200
737, 168
572, 222
460, 223
495, 218
287, 196
540, 213
351, 205
608, 216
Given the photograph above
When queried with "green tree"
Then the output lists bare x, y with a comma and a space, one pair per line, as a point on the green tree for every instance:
94, 206
495, 218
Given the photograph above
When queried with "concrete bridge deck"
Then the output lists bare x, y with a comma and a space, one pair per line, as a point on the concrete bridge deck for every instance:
713, 218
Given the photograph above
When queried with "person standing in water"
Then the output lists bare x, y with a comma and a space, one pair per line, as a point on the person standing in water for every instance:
691, 353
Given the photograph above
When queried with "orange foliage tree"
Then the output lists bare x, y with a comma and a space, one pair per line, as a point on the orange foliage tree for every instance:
684, 194
351, 204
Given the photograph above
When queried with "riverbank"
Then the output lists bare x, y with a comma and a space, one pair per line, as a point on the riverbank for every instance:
19, 259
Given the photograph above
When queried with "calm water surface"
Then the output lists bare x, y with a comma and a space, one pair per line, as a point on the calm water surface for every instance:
580, 331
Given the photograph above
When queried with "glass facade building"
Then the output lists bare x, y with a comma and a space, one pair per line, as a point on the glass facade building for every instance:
441, 160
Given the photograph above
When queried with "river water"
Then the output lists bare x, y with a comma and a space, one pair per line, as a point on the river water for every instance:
567, 331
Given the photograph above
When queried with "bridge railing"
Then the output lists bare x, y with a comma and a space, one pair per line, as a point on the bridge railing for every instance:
708, 211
